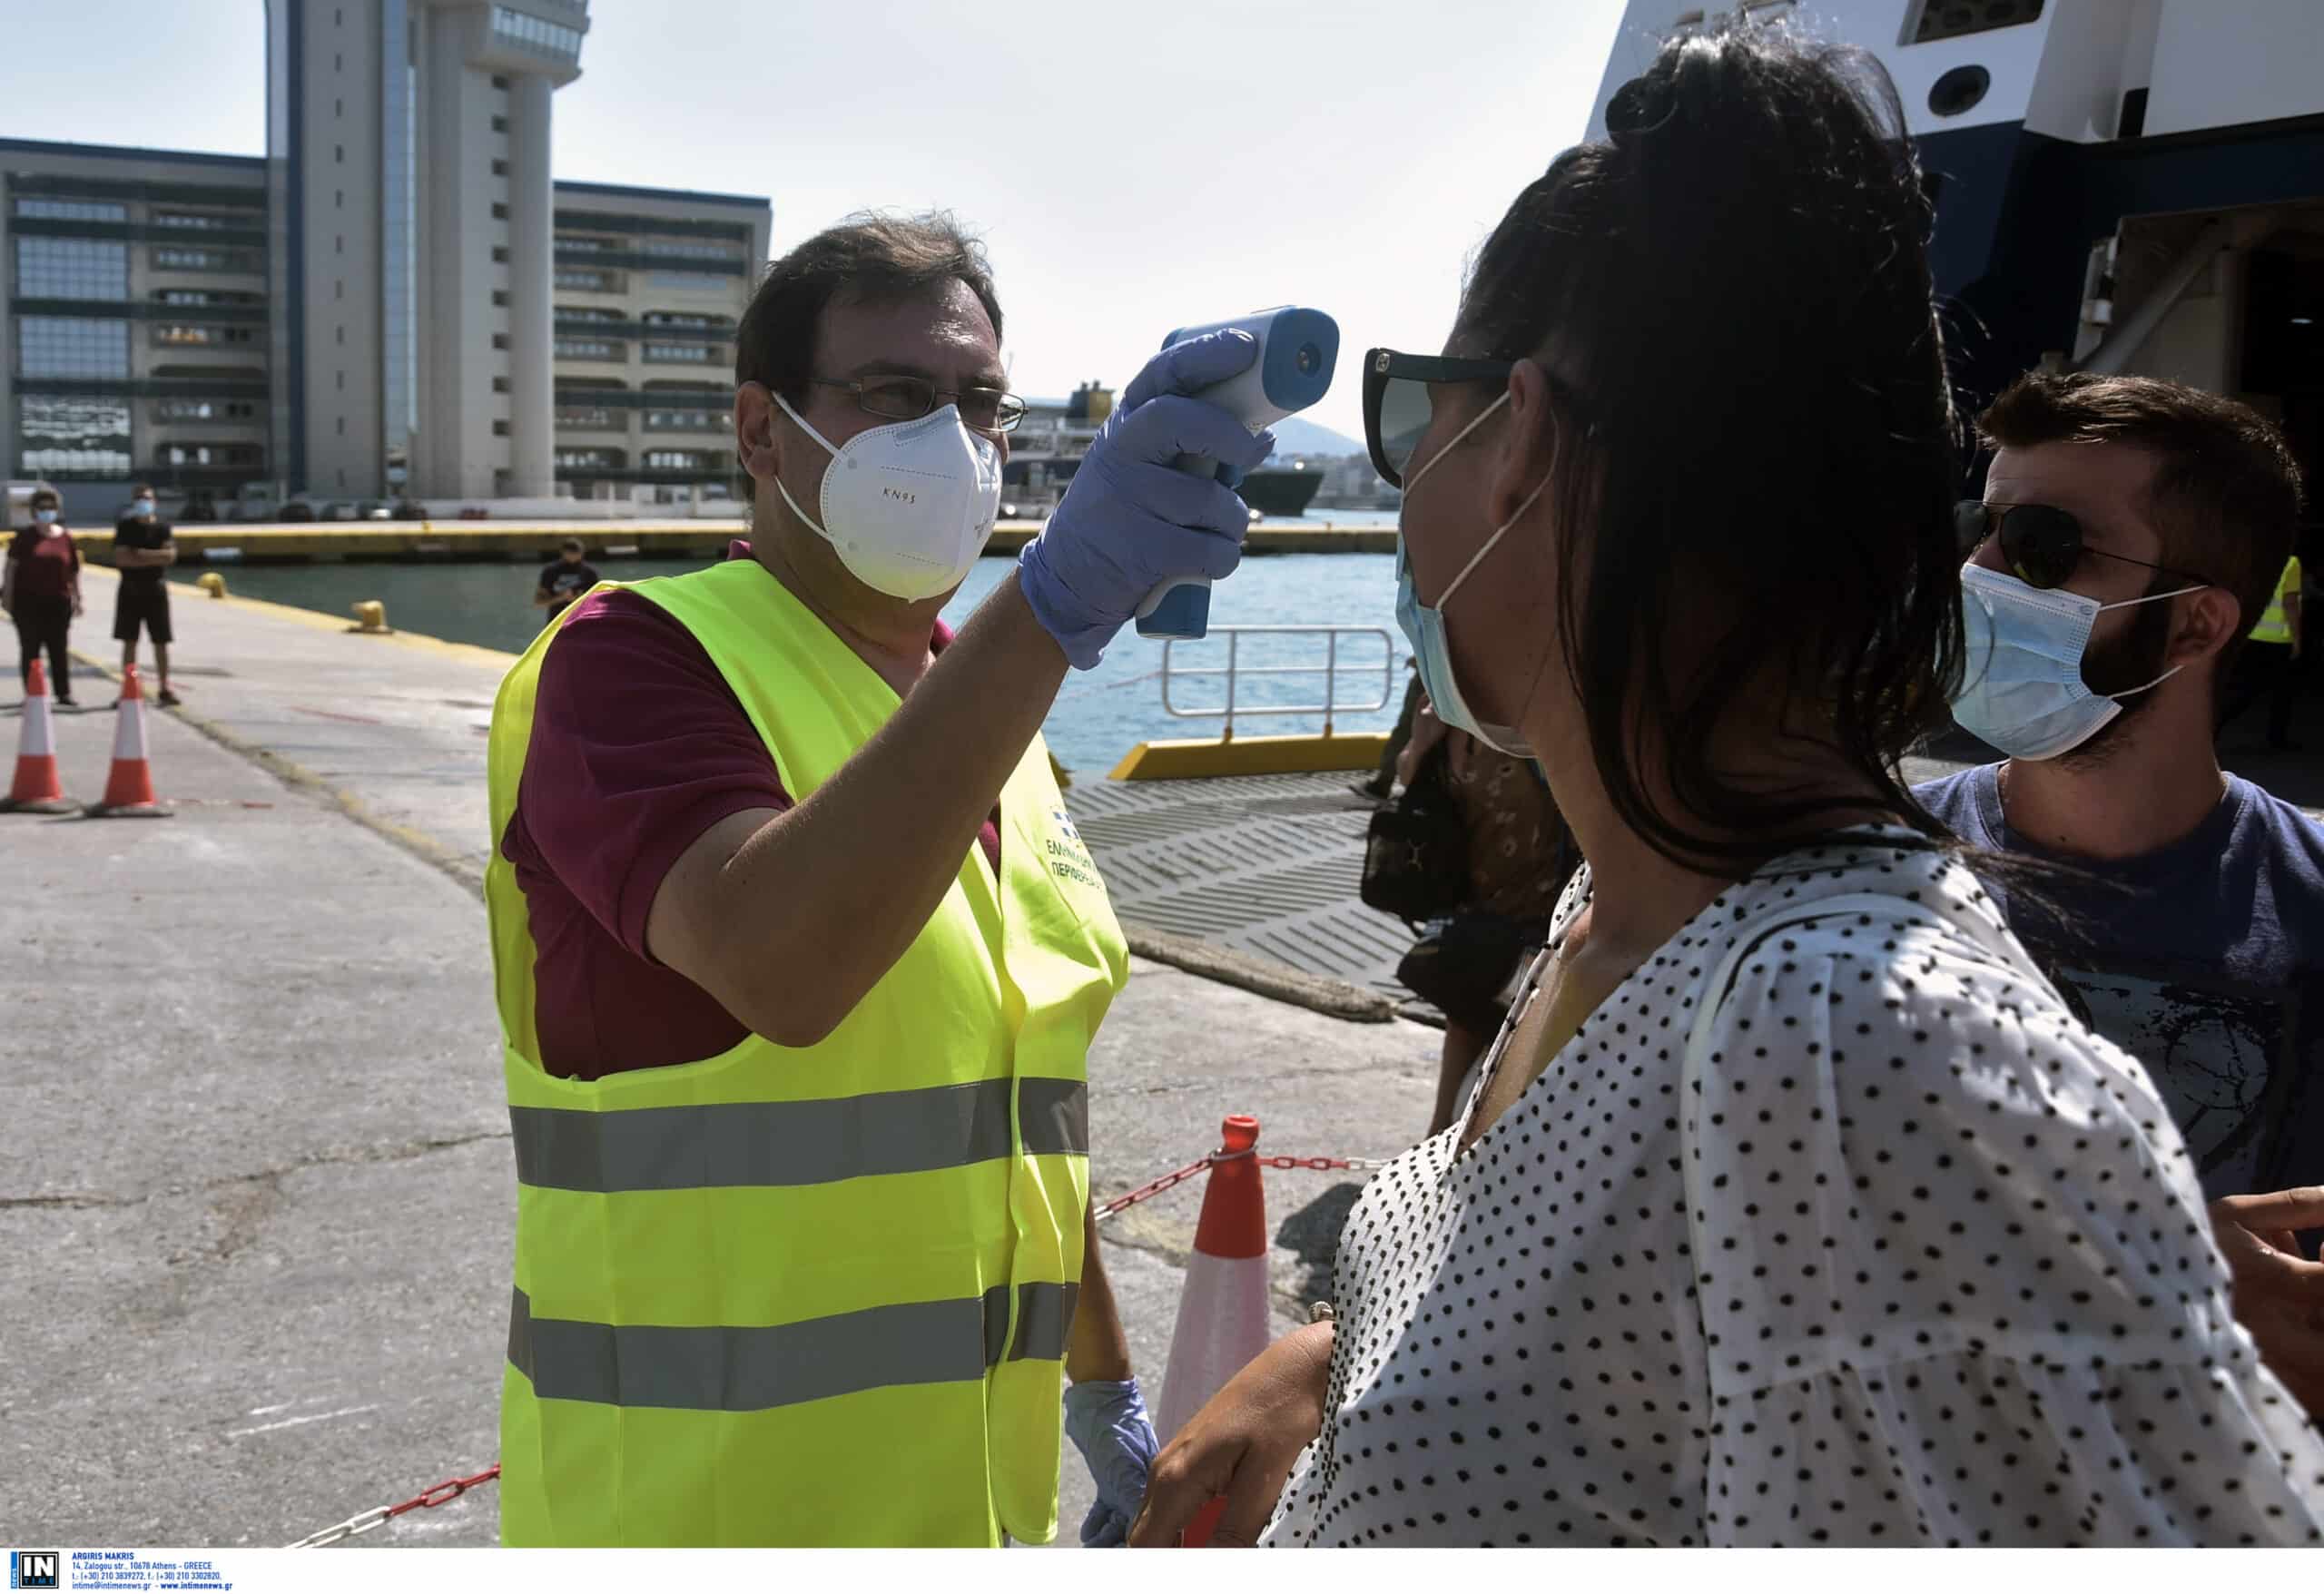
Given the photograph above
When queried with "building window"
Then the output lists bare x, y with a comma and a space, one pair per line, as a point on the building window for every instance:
536, 36
338, 154
196, 336
501, 340
71, 346
680, 353
590, 348
584, 245
204, 296
587, 418
1951, 19
500, 384
194, 409
586, 312
191, 221
673, 318
52, 210
691, 282
199, 454
71, 267
69, 437
571, 460
499, 428
173, 258
500, 168
342, 426
500, 255
500, 212
685, 421
585, 281
677, 459
499, 83
672, 250
500, 124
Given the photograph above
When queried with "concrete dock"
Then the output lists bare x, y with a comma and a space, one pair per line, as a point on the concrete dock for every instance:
257, 1211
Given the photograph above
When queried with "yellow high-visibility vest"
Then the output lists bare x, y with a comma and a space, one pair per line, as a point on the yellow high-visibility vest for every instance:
815, 1294
2275, 625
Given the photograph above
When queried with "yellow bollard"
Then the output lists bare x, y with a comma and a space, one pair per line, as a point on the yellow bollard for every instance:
371, 618
211, 582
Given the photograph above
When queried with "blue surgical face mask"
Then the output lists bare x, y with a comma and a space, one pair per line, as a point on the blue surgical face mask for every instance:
1423, 625
2023, 690
45, 517
142, 506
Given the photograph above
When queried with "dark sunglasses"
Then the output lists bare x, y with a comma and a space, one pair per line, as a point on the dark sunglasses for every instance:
2040, 543
1399, 400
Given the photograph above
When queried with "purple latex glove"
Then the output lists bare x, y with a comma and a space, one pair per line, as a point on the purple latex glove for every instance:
1130, 519
1108, 1425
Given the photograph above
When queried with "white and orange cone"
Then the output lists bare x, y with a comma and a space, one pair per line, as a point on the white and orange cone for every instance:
1225, 1319
37, 789
129, 789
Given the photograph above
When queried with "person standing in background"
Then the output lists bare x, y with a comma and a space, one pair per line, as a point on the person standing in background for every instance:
564, 578
142, 547
1520, 858
42, 591
2271, 661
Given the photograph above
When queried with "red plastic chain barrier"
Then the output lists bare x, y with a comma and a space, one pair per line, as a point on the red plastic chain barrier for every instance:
451, 1488
1146, 1192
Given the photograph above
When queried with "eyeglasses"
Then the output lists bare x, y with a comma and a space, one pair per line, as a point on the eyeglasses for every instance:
1399, 400
984, 410
2040, 543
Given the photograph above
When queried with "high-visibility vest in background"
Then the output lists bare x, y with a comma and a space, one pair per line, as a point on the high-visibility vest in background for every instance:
2275, 625
811, 1294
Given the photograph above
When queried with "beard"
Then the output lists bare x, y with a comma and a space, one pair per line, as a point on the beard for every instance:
2126, 663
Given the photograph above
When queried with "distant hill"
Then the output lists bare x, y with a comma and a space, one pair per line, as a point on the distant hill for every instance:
1296, 436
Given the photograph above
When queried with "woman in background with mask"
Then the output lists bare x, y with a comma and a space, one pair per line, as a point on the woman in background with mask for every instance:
41, 591
1792, 1205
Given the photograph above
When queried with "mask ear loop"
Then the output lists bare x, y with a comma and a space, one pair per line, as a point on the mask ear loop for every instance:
790, 502
2154, 598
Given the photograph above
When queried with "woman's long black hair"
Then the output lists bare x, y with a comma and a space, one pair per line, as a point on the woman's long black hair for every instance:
1735, 287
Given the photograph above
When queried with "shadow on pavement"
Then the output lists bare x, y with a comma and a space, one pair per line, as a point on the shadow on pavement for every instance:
1313, 1235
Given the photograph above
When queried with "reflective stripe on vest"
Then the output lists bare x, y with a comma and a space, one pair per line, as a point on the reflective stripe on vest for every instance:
2275, 623
778, 1143
759, 1369
816, 1295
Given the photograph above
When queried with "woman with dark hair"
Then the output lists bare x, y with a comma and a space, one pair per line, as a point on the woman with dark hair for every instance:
1791, 1204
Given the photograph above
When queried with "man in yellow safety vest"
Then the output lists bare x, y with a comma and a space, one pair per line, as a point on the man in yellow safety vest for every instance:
798, 956
2271, 661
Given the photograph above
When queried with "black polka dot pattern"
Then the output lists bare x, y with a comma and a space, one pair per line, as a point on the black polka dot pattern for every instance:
1945, 1278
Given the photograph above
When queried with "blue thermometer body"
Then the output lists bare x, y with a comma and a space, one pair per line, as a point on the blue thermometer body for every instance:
1298, 350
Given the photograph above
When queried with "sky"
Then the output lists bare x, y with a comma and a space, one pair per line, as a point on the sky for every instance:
1131, 166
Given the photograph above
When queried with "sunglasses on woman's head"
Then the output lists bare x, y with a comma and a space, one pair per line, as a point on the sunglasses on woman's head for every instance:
2040, 543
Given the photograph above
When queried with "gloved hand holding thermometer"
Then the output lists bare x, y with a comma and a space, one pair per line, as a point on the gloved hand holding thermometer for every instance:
1297, 351
1131, 521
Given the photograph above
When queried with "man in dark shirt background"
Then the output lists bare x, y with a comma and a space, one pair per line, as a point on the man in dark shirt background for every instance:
2191, 931
142, 547
564, 578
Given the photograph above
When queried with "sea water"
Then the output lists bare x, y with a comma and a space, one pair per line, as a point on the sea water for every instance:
1099, 713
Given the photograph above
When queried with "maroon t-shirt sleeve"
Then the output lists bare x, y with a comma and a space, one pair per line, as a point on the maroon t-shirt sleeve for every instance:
639, 747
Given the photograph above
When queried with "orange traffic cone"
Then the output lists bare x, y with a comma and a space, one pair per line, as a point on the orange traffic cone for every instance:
37, 789
129, 790
1224, 1317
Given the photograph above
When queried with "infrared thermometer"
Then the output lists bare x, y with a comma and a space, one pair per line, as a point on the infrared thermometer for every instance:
1298, 351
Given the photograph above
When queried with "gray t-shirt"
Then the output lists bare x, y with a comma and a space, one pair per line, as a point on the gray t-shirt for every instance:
2203, 959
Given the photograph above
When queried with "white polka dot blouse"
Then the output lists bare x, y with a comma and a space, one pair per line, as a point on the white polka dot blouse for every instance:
1904, 1256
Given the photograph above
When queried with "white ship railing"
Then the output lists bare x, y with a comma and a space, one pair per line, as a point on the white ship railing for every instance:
1237, 672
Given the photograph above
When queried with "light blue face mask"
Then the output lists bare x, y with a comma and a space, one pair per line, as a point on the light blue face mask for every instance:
1423, 626
2022, 689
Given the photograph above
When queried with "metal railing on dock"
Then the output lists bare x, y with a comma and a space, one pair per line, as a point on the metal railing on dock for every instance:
1235, 671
